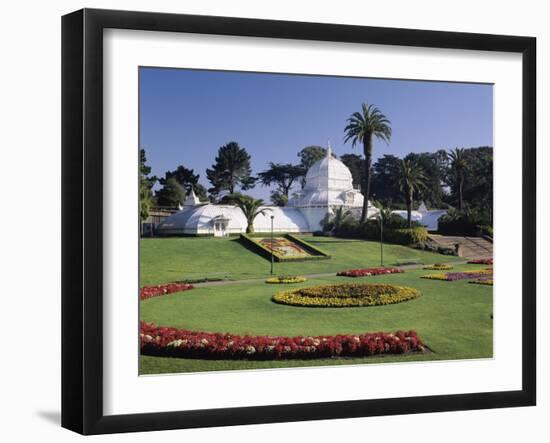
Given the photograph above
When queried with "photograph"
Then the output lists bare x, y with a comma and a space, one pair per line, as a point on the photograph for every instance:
291, 220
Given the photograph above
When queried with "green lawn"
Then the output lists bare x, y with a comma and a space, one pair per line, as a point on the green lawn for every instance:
453, 318
165, 260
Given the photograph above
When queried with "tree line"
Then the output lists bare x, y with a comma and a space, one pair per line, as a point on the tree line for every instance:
461, 178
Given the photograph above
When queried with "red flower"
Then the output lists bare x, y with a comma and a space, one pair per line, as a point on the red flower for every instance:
169, 288
165, 341
368, 272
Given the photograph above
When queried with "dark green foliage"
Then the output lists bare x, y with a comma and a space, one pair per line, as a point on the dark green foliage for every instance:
145, 186
384, 188
406, 236
278, 199
478, 182
434, 166
231, 170
411, 179
458, 166
171, 195
466, 222
395, 231
356, 165
283, 176
188, 180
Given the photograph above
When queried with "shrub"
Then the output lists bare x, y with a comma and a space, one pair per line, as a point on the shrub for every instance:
406, 236
467, 222
370, 230
368, 272
286, 279
347, 295
172, 342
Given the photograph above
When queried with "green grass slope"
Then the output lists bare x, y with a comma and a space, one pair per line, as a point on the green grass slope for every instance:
165, 260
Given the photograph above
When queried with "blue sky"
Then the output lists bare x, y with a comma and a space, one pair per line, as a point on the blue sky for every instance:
186, 115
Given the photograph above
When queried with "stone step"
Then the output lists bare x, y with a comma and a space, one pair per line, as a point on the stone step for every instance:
471, 247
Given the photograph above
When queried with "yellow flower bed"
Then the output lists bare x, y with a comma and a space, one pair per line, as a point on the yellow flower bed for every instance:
452, 276
283, 279
438, 267
347, 295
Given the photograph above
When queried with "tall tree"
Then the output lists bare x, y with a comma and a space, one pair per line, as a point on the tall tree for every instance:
411, 179
231, 170
458, 164
281, 175
434, 165
383, 185
188, 180
145, 186
308, 156
250, 206
356, 165
362, 127
478, 183
171, 195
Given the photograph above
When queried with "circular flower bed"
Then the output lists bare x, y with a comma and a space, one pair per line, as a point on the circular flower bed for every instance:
438, 267
346, 295
284, 279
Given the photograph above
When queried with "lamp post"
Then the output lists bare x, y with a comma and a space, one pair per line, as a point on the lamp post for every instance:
272, 217
381, 239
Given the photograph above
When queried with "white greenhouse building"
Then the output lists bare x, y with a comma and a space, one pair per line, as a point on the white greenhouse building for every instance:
328, 185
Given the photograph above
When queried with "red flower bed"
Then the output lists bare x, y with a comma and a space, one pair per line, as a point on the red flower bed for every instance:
172, 342
169, 288
368, 272
481, 261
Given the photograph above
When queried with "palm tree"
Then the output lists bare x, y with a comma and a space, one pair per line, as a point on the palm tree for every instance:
339, 216
410, 179
361, 128
459, 165
250, 206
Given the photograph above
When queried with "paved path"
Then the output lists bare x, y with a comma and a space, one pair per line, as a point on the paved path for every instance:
327, 274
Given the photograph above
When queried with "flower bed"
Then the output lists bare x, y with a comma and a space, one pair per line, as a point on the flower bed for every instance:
172, 342
453, 276
481, 261
286, 279
438, 267
368, 272
346, 295
169, 288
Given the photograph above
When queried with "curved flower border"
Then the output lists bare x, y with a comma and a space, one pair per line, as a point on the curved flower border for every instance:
369, 271
172, 342
453, 276
286, 279
158, 290
481, 261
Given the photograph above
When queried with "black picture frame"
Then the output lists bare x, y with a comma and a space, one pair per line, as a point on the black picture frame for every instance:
82, 218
